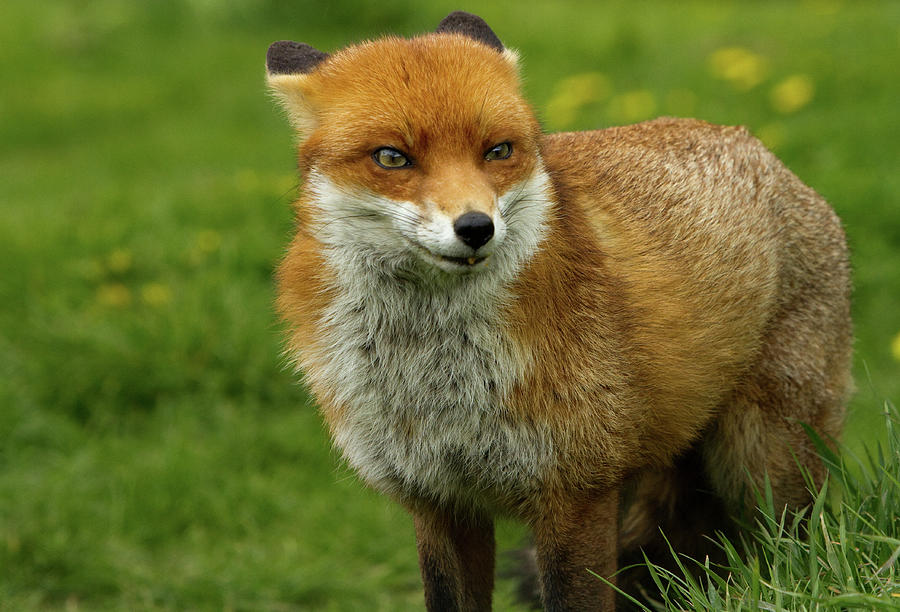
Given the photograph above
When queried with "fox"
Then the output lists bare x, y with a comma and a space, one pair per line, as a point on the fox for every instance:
579, 331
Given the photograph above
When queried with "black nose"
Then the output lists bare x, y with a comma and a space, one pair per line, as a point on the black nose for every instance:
474, 229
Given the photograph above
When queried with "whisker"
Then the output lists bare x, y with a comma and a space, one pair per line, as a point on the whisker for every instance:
526, 202
512, 201
403, 213
401, 216
293, 188
370, 215
409, 219
513, 216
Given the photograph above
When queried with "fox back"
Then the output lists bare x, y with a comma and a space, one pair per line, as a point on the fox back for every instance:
498, 321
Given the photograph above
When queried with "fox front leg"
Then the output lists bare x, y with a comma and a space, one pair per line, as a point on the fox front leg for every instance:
456, 557
576, 535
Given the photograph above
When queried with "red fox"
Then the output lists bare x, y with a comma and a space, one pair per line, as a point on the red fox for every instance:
575, 330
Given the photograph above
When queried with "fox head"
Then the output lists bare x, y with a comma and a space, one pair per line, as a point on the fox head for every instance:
420, 155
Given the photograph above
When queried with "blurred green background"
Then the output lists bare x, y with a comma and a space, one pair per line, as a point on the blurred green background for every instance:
155, 452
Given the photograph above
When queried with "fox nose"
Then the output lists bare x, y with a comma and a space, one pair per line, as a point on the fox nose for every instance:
474, 229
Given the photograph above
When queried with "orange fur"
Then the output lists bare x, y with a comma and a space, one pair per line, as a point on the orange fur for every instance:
687, 296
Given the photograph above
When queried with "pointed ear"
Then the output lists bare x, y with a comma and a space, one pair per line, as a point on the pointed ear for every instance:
476, 28
288, 69
289, 57
470, 25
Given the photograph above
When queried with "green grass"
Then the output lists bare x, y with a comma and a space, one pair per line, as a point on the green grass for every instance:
840, 553
155, 453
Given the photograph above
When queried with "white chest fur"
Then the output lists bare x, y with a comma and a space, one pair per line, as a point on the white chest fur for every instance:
423, 377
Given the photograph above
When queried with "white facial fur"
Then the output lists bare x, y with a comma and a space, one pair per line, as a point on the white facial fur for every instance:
438, 241
416, 351
401, 235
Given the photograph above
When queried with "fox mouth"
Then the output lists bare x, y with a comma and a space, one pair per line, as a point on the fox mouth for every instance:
458, 263
462, 261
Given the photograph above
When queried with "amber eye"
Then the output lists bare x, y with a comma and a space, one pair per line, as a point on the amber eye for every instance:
500, 151
390, 158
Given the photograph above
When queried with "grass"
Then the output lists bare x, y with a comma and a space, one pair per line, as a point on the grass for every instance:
155, 453
840, 553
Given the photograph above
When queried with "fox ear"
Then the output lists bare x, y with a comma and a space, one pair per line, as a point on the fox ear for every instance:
473, 26
289, 57
470, 25
288, 68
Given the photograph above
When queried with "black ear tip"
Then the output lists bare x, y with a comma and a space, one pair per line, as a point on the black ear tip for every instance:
457, 16
470, 25
289, 57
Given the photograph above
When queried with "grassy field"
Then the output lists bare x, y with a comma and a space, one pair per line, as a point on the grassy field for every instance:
838, 553
155, 453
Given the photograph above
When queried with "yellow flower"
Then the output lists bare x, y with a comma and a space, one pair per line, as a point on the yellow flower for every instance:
114, 294
633, 106
793, 93
895, 347
739, 66
119, 261
208, 241
571, 94
156, 294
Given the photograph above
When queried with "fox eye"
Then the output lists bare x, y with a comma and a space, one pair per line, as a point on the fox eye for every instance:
500, 151
390, 158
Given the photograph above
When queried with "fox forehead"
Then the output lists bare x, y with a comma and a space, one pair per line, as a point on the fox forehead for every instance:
434, 92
